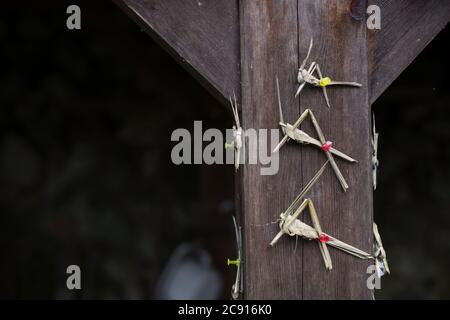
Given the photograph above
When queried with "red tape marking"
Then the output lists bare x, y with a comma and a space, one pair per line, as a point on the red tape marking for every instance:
324, 238
327, 146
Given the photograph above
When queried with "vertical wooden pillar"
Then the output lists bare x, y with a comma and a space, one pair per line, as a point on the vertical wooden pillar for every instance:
340, 49
275, 36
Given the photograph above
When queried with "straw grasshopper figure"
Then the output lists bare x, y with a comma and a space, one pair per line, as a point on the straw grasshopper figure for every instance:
237, 134
238, 287
293, 132
292, 226
289, 223
375, 162
306, 76
381, 263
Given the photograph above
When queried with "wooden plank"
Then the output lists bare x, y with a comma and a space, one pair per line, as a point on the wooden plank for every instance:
269, 47
271, 34
341, 51
202, 35
407, 27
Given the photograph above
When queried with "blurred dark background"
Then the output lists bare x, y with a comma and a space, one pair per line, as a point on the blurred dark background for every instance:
86, 178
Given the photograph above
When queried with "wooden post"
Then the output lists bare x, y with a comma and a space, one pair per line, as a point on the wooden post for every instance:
274, 39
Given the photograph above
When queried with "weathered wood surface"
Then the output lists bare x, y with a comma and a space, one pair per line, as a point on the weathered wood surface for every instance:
202, 35
341, 51
269, 46
272, 32
407, 27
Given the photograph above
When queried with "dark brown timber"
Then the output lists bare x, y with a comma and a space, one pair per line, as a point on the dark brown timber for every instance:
271, 34
340, 49
407, 27
204, 37
269, 47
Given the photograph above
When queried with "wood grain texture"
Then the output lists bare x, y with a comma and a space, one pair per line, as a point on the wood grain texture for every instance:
340, 49
272, 33
269, 47
202, 35
407, 27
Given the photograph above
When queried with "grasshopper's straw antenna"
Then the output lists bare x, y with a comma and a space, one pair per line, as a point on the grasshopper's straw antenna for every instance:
307, 188
279, 101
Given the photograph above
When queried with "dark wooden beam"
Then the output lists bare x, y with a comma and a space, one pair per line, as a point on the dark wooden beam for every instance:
342, 53
202, 35
407, 27
274, 37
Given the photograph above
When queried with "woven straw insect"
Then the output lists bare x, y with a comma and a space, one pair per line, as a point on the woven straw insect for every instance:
293, 132
306, 76
237, 142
